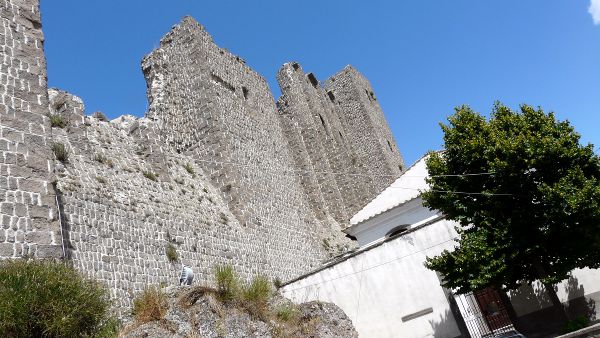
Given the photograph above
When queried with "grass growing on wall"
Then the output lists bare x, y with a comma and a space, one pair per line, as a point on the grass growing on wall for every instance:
51, 299
171, 253
150, 175
60, 152
57, 121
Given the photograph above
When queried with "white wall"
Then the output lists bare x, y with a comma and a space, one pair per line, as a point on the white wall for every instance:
379, 286
411, 214
531, 298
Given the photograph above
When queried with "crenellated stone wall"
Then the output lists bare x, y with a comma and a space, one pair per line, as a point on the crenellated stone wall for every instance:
215, 172
29, 223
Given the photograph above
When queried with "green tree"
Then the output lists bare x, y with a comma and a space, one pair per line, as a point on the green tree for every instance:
535, 215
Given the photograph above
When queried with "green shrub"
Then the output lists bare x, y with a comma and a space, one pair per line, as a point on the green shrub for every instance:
150, 175
150, 305
51, 299
228, 285
57, 121
60, 152
576, 324
171, 252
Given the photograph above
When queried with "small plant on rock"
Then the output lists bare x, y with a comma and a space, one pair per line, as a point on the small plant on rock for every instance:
188, 167
256, 296
103, 159
171, 252
57, 121
150, 175
60, 152
287, 313
150, 305
228, 285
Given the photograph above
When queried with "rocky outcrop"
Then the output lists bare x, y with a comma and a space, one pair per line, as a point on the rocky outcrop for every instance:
196, 312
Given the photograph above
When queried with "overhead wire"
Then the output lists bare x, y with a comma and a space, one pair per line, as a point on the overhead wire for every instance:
296, 172
373, 266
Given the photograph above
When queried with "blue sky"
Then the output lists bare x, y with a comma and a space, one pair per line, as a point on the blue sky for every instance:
423, 58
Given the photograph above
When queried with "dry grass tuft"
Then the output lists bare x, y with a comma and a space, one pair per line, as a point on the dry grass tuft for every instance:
150, 305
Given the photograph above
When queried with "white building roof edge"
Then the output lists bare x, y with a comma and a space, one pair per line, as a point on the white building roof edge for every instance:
407, 187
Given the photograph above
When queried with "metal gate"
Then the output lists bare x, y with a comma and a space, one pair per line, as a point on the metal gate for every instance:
484, 313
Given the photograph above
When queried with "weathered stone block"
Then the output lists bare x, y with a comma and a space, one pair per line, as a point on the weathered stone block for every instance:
7, 249
39, 237
48, 251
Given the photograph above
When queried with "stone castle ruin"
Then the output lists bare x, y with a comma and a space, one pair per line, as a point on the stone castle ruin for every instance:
217, 169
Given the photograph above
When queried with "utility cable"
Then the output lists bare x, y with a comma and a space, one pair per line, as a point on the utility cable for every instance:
373, 267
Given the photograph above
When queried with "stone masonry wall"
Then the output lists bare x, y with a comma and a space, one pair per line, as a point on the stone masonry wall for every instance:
124, 203
342, 143
211, 106
367, 129
314, 136
29, 225
214, 171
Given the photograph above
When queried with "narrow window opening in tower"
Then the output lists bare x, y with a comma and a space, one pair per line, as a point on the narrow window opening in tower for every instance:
341, 137
313, 79
322, 121
331, 96
368, 96
295, 66
246, 93
390, 145
372, 95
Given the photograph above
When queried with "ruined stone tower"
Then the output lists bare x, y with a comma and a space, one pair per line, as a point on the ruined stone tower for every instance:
339, 138
215, 171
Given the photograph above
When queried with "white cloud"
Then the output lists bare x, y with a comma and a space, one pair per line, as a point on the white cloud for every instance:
595, 11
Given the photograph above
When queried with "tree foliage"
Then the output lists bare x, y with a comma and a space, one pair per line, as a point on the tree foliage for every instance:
538, 214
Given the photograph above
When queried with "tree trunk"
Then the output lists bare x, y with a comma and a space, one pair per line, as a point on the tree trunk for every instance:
557, 305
